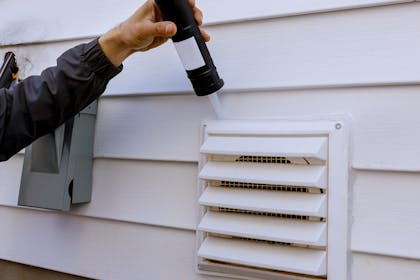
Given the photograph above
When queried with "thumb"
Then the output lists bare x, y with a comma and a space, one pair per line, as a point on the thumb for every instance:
161, 29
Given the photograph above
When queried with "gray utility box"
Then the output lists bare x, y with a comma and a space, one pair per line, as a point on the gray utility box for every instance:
57, 170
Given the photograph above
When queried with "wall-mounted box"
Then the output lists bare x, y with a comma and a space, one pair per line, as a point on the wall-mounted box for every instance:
57, 169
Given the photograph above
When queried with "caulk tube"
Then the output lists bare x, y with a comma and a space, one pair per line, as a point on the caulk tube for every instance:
191, 47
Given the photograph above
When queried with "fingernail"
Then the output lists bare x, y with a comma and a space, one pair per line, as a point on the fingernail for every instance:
168, 29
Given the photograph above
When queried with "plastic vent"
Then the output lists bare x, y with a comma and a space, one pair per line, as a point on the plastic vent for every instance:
265, 198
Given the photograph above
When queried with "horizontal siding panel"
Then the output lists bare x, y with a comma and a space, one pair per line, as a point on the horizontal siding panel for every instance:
365, 55
45, 20
346, 48
32, 59
96, 248
135, 191
249, 9
266, 146
10, 173
366, 266
292, 203
161, 128
144, 192
146, 127
385, 120
265, 228
385, 204
386, 216
278, 257
49, 20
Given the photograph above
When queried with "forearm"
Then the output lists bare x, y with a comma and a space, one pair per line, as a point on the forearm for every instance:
39, 104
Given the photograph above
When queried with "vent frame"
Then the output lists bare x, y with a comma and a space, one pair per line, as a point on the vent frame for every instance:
338, 146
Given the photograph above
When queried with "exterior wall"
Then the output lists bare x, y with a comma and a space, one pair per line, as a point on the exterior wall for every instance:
279, 60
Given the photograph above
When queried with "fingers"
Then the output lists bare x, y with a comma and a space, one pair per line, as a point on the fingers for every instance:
198, 15
205, 35
168, 29
161, 29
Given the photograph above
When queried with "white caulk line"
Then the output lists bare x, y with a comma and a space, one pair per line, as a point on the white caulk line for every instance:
217, 106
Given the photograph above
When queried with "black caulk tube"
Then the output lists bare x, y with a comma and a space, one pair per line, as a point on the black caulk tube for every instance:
191, 47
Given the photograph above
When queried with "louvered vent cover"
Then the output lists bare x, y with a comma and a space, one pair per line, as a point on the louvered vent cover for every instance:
273, 198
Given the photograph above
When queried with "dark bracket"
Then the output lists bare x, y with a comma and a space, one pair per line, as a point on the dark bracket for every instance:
8, 70
57, 169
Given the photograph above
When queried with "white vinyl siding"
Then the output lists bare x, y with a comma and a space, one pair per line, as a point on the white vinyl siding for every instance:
294, 59
25, 22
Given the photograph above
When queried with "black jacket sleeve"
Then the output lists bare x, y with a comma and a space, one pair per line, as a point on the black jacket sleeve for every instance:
39, 104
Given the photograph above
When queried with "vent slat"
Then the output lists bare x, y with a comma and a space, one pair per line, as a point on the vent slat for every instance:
265, 228
265, 201
307, 147
265, 173
263, 255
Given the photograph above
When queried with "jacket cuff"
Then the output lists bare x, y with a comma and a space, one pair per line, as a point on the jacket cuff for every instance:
98, 62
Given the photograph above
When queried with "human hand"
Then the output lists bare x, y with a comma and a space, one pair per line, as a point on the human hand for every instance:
143, 31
